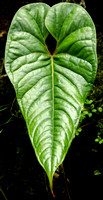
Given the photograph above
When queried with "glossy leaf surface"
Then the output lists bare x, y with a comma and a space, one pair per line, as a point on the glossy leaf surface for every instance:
51, 89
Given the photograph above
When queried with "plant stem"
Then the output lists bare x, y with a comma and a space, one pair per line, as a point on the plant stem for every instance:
3, 76
3, 194
68, 193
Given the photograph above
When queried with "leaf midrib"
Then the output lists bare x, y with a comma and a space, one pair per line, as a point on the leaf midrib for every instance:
52, 113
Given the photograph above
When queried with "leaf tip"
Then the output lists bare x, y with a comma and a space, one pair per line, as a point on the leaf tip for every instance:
51, 186
53, 194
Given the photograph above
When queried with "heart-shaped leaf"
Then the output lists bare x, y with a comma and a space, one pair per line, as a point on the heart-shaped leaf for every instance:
51, 89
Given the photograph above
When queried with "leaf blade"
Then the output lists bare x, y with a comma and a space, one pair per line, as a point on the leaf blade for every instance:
51, 89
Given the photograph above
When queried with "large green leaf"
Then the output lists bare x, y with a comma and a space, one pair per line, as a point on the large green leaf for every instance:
51, 89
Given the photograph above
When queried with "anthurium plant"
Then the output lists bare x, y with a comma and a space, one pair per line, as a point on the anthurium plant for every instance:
51, 88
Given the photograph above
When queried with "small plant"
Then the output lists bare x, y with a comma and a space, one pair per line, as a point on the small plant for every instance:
99, 138
89, 109
51, 88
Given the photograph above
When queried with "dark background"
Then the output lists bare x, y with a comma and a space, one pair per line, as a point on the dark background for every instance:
21, 176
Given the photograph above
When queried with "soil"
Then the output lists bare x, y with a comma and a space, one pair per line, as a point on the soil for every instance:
21, 176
